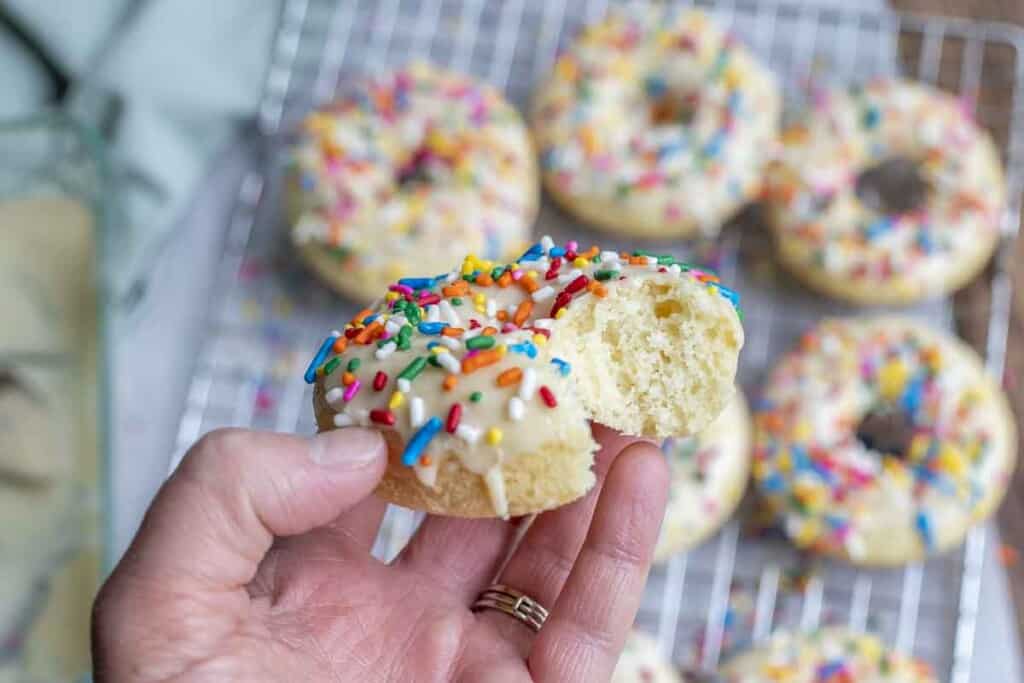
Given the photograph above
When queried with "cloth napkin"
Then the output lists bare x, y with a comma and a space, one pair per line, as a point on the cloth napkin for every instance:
167, 82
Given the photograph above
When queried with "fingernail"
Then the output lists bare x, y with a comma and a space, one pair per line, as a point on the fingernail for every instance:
347, 448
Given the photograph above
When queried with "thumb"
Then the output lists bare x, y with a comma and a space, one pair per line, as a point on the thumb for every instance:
213, 521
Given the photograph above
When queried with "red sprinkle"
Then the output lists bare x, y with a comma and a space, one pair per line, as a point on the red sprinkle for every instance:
577, 284
556, 264
352, 331
380, 380
454, 415
382, 416
429, 299
561, 301
473, 324
548, 396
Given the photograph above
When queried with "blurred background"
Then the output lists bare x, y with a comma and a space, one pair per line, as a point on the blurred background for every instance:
140, 150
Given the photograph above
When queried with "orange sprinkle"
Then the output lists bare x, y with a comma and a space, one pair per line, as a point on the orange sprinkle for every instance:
452, 332
502, 316
425, 461
1008, 555
591, 253
489, 331
523, 311
529, 284
638, 260
348, 378
505, 280
597, 289
509, 377
369, 333
457, 288
340, 344
450, 382
480, 360
484, 279
358, 318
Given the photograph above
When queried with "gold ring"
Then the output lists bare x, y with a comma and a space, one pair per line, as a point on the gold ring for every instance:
514, 603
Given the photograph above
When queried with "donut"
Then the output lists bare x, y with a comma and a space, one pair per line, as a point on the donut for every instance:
655, 124
709, 476
886, 194
483, 379
881, 441
405, 174
830, 654
641, 663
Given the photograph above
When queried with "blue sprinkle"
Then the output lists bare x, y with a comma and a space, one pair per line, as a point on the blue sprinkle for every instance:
319, 358
924, 242
872, 117
308, 182
420, 440
417, 282
532, 253
911, 399
735, 101
549, 158
732, 295
829, 669
800, 459
370, 318
671, 149
714, 145
924, 527
773, 483
879, 228
431, 328
655, 86
526, 348
563, 366
556, 252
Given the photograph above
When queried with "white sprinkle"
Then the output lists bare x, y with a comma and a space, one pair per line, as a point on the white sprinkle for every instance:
469, 334
651, 260
361, 416
334, 396
391, 327
492, 308
451, 277
516, 408
433, 314
570, 276
528, 384
544, 323
343, 420
468, 433
417, 412
546, 242
675, 269
404, 385
385, 351
541, 264
449, 313
609, 257
451, 342
449, 363
335, 333
544, 293
400, 320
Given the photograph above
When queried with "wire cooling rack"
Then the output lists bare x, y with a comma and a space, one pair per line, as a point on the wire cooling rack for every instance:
269, 315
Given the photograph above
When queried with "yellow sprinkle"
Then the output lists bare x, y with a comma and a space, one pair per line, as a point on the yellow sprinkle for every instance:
540, 339
892, 377
391, 296
566, 68
870, 648
802, 431
580, 262
397, 399
808, 532
761, 469
784, 462
501, 349
438, 350
494, 436
952, 460
918, 448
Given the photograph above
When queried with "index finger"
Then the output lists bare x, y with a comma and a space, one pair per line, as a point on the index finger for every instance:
585, 633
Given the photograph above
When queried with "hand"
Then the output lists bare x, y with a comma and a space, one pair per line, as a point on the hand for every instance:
253, 564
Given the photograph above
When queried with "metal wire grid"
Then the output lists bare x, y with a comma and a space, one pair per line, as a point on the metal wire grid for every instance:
269, 315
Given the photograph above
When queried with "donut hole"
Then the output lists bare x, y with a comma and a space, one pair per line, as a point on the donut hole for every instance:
653, 358
887, 430
422, 168
667, 106
893, 186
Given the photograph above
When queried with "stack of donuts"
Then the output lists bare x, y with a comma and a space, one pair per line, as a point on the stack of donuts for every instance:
876, 440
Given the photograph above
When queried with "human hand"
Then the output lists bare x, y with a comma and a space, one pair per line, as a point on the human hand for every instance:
253, 564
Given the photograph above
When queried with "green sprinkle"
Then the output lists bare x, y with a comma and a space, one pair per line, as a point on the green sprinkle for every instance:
404, 335
481, 342
433, 361
666, 260
412, 312
456, 301
475, 397
643, 252
605, 274
381, 342
353, 365
331, 365
413, 369
497, 272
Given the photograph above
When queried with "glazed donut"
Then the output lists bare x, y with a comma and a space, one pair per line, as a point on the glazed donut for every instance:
655, 124
881, 441
641, 663
709, 476
886, 194
483, 379
829, 654
406, 171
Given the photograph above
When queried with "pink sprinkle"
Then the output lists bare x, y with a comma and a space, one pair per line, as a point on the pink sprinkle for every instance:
672, 211
402, 289
508, 327
572, 245
517, 274
351, 390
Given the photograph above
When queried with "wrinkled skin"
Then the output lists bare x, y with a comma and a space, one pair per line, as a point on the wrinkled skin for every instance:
253, 564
